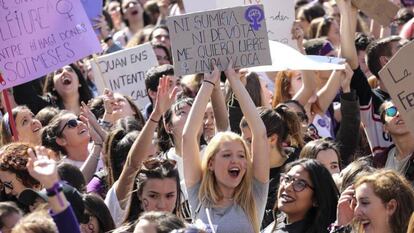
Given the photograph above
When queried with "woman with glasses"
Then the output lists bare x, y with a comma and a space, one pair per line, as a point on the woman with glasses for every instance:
69, 136
306, 199
284, 141
28, 128
14, 175
227, 187
147, 185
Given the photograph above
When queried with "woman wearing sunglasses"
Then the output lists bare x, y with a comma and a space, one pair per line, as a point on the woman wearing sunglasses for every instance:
400, 156
69, 136
147, 185
14, 175
227, 189
306, 199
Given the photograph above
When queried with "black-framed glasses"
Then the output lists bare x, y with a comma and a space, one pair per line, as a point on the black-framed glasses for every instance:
298, 184
72, 123
391, 111
6, 184
153, 163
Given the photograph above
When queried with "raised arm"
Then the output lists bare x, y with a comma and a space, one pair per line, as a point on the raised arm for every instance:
190, 147
44, 170
347, 32
260, 150
137, 153
219, 108
328, 92
308, 87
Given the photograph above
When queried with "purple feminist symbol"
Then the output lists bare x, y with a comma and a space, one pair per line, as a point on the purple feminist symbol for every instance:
64, 7
254, 15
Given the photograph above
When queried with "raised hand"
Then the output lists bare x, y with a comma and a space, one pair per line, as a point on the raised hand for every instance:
41, 167
346, 78
213, 77
165, 95
231, 74
346, 206
109, 101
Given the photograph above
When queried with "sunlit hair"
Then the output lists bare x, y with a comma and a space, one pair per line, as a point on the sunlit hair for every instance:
36, 222
389, 185
210, 193
282, 87
14, 159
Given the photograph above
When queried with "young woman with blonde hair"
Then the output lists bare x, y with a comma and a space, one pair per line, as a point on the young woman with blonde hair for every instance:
228, 188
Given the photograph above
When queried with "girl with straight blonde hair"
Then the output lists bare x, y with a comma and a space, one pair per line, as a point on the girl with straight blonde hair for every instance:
228, 189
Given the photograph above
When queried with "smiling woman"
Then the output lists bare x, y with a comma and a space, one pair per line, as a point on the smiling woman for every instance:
27, 127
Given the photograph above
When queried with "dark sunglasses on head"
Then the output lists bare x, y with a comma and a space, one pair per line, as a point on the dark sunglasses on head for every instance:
298, 184
7, 184
391, 111
72, 123
153, 163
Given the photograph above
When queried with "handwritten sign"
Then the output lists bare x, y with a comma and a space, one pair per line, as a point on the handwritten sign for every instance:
285, 57
280, 15
38, 37
382, 11
218, 37
398, 77
93, 9
124, 72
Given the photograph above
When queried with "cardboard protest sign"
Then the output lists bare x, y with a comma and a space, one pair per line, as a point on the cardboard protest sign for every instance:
279, 15
93, 9
124, 72
38, 37
236, 34
382, 11
286, 58
398, 77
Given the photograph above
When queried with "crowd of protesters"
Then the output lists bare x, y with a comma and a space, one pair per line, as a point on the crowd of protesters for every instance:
293, 151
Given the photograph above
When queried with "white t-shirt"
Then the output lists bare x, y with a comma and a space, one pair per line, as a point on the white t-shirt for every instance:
112, 202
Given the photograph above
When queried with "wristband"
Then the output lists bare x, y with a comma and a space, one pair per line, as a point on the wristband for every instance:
154, 120
214, 85
54, 190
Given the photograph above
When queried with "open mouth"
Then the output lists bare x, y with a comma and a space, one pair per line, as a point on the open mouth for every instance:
234, 172
365, 224
66, 81
134, 12
399, 122
286, 198
36, 130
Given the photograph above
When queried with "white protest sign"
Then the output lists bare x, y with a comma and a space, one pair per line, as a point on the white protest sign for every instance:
280, 15
286, 58
124, 72
398, 77
218, 37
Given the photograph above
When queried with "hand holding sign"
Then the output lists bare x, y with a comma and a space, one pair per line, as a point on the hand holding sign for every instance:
217, 37
398, 77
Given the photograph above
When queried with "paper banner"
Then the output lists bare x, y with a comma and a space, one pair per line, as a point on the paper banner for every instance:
38, 37
124, 72
382, 11
280, 15
287, 58
398, 77
93, 10
233, 34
